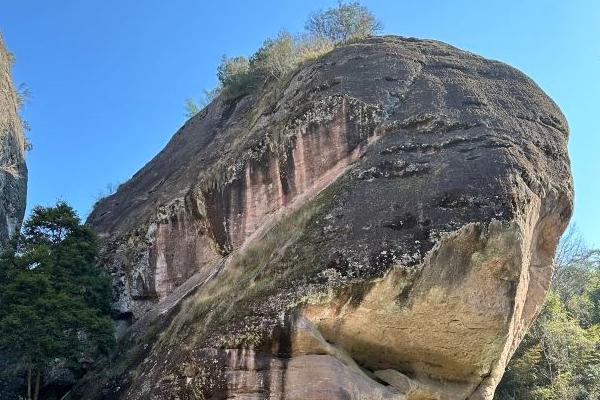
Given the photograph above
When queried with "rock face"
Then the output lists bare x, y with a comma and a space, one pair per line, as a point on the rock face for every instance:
13, 183
380, 225
13, 171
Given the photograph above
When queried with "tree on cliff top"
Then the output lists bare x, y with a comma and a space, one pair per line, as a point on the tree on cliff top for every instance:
54, 301
278, 56
347, 21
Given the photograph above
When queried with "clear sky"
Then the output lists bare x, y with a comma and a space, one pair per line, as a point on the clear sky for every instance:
108, 78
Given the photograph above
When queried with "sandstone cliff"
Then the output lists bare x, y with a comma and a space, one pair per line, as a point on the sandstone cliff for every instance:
13, 171
380, 225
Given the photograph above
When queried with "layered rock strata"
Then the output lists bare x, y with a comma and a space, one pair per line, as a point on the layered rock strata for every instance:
379, 225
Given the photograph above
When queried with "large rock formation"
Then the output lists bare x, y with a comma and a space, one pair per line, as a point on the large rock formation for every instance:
13, 171
380, 225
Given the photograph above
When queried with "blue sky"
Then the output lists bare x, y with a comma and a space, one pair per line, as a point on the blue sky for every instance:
108, 78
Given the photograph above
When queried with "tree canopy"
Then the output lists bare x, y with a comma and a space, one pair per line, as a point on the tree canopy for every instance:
347, 21
54, 301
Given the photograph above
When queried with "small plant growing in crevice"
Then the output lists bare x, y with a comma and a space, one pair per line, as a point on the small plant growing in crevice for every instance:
192, 107
23, 94
54, 300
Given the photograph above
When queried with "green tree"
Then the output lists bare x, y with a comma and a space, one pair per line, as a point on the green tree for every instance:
191, 108
276, 57
347, 21
54, 301
233, 71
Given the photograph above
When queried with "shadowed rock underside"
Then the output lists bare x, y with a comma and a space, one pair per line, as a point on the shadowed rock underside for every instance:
379, 225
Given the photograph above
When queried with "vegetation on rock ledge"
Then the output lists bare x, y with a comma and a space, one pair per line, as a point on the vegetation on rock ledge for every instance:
280, 55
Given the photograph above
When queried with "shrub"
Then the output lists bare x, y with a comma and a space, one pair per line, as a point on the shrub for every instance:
209, 95
54, 300
276, 57
343, 23
233, 71
279, 56
191, 108
312, 47
273, 60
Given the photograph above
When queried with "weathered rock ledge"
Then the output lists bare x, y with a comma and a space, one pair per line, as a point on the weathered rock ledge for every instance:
381, 225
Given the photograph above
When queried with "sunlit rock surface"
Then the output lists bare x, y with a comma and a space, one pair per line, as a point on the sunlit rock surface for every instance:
13, 171
380, 225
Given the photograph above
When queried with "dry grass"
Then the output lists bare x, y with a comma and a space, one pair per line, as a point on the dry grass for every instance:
11, 169
10, 100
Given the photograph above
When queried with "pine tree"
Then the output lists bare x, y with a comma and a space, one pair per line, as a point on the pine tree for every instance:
54, 301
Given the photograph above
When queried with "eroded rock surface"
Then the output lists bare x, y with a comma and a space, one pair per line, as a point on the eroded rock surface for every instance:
380, 225
13, 171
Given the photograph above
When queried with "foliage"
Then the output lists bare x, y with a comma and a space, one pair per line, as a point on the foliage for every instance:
191, 108
278, 56
559, 358
22, 95
209, 95
275, 59
346, 22
234, 71
281, 55
54, 301
310, 47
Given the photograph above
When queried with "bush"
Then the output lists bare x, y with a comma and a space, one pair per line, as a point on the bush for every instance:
191, 108
273, 60
209, 95
343, 23
234, 71
276, 57
312, 47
